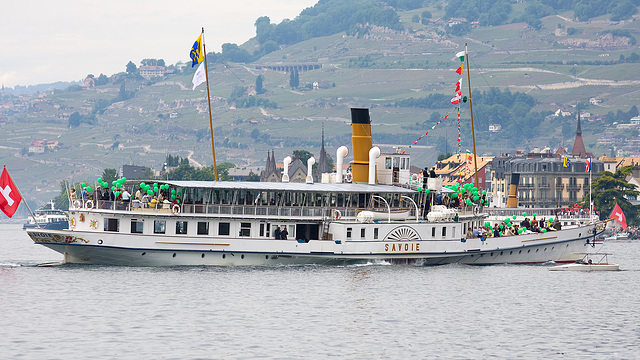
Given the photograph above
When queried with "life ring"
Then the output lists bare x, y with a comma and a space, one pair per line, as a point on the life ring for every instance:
175, 209
336, 214
89, 204
77, 204
414, 177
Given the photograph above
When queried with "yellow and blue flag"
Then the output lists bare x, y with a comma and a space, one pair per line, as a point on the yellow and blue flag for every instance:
196, 52
566, 162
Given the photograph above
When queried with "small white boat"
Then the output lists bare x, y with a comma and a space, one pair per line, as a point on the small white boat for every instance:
587, 264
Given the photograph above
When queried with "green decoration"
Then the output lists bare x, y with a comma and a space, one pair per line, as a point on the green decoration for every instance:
501, 226
88, 188
419, 188
484, 192
83, 184
524, 214
550, 219
534, 215
464, 99
514, 217
149, 192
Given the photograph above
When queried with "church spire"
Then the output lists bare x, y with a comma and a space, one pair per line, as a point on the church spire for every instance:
578, 146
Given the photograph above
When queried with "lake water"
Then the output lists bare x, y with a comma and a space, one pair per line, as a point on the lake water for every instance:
314, 312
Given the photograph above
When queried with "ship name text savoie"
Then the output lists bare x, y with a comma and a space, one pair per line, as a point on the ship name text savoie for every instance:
402, 247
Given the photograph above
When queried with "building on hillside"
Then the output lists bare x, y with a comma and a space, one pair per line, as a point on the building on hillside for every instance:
246, 173
545, 181
42, 146
149, 71
134, 172
461, 169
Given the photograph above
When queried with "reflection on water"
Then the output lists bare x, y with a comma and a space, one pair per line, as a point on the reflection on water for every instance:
372, 311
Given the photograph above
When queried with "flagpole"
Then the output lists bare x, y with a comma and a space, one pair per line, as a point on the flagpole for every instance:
473, 131
590, 202
206, 72
25, 201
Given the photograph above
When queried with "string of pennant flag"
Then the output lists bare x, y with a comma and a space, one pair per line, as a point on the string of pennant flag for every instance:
454, 101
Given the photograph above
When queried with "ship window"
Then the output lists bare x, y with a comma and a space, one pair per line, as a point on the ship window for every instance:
159, 227
387, 163
203, 228
261, 230
444, 231
111, 225
433, 232
375, 233
223, 228
181, 227
453, 232
349, 233
268, 230
362, 233
245, 229
136, 226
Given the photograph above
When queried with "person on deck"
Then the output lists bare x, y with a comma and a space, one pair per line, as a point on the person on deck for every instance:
277, 233
432, 173
284, 233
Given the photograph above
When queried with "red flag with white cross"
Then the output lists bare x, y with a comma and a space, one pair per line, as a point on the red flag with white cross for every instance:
9, 195
618, 216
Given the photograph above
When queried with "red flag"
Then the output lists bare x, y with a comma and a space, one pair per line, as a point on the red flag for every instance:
459, 70
458, 85
9, 196
618, 216
456, 99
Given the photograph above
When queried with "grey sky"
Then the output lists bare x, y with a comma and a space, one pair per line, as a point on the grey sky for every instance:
43, 41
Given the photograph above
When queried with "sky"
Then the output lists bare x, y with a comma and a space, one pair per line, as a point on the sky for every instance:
44, 41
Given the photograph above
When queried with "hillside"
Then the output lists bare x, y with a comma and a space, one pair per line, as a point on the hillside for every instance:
560, 65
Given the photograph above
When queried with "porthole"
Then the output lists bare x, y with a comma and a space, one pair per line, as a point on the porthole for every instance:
537, 250
500, 253
202, 256
174, 254
520, 252
511, 252
144, 253
224, 256
242, 256
553, 247
545, 249
266, 257
491, 254
100, 242
528, 251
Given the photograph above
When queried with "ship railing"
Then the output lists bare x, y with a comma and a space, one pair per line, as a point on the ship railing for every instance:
215, 209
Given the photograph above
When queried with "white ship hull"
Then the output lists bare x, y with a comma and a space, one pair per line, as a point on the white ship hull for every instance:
92, 247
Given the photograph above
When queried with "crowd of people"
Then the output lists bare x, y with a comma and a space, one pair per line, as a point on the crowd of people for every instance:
105, 198
507, 228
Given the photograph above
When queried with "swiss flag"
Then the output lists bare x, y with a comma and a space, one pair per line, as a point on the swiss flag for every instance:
9, 196
617, 215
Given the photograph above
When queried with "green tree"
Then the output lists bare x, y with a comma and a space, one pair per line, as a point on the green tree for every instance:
259, 88
303, 155
611, 189
75, 119
109, 175
131, 68
62, 200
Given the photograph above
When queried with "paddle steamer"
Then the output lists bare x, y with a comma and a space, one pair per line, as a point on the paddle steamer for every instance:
234, 223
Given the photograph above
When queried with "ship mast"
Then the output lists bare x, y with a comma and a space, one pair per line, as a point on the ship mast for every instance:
473, 131
206, 71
